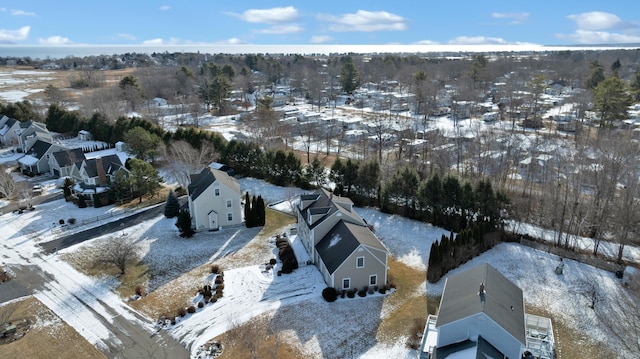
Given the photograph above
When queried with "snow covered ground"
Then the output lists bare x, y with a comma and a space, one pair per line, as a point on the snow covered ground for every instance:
293, 302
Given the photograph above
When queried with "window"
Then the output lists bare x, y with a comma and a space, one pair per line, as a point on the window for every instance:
346, 283
360, 262
217, 191
229, 216
373, 279
228, 203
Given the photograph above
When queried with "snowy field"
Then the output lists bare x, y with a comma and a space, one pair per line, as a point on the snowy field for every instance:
293, 302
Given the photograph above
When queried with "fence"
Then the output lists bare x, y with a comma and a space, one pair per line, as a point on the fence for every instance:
79, 223
576, 256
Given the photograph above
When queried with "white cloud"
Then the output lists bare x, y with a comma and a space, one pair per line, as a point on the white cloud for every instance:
127, 37
282, 29
276, 15
14, 35
426, 42
55, 41
592, 26
365, 21
321, 39
515, 17
22, 13
233, 41
478, 40
169, 41
165, 7
597, 20
599, 37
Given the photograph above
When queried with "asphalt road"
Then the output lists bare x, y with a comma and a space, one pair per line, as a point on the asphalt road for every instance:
111, 227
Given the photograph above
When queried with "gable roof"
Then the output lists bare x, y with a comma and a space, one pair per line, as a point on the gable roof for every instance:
342, 240
324, 202
39, 148
110, 164
201, 181
69, 157
502, 300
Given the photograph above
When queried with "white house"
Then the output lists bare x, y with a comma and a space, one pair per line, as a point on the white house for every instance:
481, 315
214, 200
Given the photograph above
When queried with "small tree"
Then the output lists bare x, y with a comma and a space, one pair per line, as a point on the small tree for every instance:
260, 211
248, 220
7, 183
184, 224
66, 187
172, 207
119, 251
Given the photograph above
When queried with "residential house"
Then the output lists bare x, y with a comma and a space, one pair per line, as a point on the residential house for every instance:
66, 163
481, 315
339, 242
96, 175
29, 132
214, 200
36, 159
8, 127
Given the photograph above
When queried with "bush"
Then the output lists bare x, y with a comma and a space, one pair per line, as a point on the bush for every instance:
71, 221
213, 299
191, 309
371, 290
382, 290
173, 321
219, 287
351, 293
362, 293
140, 291
272, 261
61, 221
182, 312
329, 294
200, 304
215, 268
218, 280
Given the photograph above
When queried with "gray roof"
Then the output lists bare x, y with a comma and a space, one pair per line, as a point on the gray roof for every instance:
502, 300
483, 349
342, 240
110, 164
201, 181
39, 148
323, 203
69, 157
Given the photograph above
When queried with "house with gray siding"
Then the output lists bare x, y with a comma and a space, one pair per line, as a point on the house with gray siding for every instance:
339, 242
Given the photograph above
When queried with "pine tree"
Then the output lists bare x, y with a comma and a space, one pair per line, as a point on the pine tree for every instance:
261, 211
254, 211
184, 224
247, 211
172, 206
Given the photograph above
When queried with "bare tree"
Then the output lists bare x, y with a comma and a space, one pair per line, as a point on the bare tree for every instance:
590, 290
184, 160
7, 182
119, 251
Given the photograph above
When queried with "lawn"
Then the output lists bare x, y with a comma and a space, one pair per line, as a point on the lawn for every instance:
48, 337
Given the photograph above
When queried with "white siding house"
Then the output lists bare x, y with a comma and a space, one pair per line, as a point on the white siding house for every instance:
214, 200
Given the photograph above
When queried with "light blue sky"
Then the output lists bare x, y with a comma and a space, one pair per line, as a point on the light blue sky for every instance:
544, 22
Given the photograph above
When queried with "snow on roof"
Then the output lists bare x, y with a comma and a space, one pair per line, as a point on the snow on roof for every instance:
28, 160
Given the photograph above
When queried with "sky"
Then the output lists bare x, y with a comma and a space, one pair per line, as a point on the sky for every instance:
466, 22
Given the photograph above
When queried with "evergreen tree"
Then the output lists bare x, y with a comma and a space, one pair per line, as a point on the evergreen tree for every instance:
596, 75
611, 100
261, 211
172, 206
255, 221
247, 211
184, 224
349, 76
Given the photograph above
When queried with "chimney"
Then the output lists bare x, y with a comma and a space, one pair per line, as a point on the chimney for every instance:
102, 176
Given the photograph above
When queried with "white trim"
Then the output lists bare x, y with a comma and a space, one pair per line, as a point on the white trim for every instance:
371, 277
358, 260
229, 216
349, 279
229, 203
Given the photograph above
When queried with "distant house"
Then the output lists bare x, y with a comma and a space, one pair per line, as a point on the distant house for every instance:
84, 135
8, 128
342, 246
97, 175
36, 159
214, 200
63, 163
481, 315
29, 132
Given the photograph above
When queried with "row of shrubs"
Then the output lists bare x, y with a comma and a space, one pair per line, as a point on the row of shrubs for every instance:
330, 294
71, 221
286, 255
209, 295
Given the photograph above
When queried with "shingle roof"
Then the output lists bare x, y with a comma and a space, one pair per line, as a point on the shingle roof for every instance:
342, 240
110, 164
39, 148
201, 181
502, 300
69, 157
323, 204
